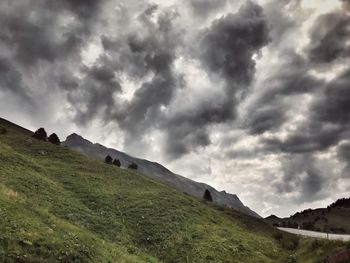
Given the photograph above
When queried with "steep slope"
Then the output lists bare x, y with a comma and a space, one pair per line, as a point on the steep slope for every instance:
157, 172
59, 206
333, 219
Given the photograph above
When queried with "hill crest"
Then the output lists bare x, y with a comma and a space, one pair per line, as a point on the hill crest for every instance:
157, 172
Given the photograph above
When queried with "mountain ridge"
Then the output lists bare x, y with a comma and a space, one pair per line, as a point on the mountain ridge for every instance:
332, 219
158, 172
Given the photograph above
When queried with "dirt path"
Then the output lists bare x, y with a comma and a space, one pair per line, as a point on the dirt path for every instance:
315, 234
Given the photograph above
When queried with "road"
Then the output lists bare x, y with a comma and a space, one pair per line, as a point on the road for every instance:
315, 234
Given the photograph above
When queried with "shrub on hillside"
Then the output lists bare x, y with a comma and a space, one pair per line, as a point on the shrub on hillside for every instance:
207, 196
291, 243
278, 236
108, 159
53, 138
116, 162
3, 130
40, 134
133, 166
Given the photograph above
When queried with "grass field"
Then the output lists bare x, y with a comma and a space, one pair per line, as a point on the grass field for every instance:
59, 206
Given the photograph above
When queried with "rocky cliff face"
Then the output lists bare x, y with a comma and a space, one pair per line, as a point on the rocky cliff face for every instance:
157, 172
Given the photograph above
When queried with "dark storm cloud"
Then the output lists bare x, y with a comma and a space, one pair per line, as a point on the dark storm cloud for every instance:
94, 94
343, 152
328, 119
85, 9
10, 78
188, 131
146, 57
226, 49
154, 53
329, 38
301, 176
333, 106
228, 46
269, 109
328, 123
35, 31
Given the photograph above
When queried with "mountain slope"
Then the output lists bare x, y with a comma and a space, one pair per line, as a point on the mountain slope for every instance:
333, 219
59, 206
157, 172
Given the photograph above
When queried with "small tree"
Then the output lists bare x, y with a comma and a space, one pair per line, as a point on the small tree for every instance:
116, 162
53, 138
40, 134
108, 159
133, 166
207, 196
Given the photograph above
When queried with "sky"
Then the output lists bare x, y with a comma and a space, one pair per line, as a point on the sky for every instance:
251, 97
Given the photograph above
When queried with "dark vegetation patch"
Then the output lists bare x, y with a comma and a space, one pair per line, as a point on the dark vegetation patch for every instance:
116, 162
133, 166
53, 138
40, 134
3, 131
108, 159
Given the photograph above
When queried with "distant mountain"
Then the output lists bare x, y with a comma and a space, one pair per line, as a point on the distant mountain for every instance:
157, 172
333, 219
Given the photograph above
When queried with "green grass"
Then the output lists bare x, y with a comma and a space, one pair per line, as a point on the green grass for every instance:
59, 206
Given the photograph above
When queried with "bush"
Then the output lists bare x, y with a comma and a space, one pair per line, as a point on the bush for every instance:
53, 138
40, 134
2, 130
207, 196
278, 236
116, 162
108, 159
315, 244
133, 166
290, 243
292, 259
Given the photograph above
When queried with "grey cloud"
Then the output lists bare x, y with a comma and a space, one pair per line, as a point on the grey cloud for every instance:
147, 57
39, 34
343, 153
346, 4
301, 175
157, 53
10, 78
93, 93
266, 119
227, 49
228, 46
284, 17
328, 122
334, 105
330, 36
269, 109
328, 119
188, 130
204, 7
85, 9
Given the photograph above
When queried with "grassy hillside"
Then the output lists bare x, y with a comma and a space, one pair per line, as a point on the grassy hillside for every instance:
59, 206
